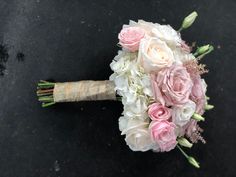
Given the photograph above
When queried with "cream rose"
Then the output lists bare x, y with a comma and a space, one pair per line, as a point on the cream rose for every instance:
154, 55
137, 135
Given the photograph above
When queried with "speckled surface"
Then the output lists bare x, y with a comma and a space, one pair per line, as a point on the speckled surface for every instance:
74, 40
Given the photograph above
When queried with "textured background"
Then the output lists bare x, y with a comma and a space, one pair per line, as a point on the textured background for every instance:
73, 40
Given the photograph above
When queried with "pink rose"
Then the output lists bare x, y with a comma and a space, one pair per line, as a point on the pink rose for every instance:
130, 37
157, 111
172, 86
198, 94
163, 133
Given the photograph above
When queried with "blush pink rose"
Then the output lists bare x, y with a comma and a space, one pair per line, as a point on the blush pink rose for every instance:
172, 86
163, 133
130, 37
157, 111
198, 94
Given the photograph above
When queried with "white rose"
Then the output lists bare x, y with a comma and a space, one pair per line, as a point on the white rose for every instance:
137, 135
182, 114
154, 55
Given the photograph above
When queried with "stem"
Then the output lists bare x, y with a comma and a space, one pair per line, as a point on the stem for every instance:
195, 54
47, 104
182, 151
180, 29
118, 98
45, 93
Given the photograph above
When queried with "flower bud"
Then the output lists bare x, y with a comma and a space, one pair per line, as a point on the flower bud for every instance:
188, 21
209, 107
198, 117
193, 162
203, 49
184, 142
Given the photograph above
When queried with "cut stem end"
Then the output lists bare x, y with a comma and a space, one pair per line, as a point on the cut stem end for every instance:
45, 93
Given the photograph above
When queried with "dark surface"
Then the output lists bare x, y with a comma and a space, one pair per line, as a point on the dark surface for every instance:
74, 40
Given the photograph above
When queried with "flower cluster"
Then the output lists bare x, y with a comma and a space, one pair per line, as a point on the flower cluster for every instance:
159, 81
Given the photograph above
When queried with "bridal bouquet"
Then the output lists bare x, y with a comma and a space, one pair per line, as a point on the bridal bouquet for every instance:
158, 80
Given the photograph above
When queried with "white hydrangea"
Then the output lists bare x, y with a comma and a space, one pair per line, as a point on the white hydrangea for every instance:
134, 86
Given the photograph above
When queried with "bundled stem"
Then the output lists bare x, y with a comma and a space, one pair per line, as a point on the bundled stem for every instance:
45, 93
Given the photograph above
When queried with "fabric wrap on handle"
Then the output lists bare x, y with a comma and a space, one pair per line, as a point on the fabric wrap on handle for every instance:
87, 90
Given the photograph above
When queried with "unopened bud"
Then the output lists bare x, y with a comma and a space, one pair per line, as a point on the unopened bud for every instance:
184, 142
203, 49
193, 162
198, 117
188, 21
209, 107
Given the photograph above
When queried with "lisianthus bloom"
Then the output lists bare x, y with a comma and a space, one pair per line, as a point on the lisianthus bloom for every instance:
198, 94
182, 114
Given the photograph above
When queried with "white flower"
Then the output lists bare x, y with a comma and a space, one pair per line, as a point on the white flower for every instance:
146, 85
182, 56
163, 32
168, 34
121, 83
182, 114
136, 109
139, 139
123, 121
138, 136
120, 66
146, 26
154, 55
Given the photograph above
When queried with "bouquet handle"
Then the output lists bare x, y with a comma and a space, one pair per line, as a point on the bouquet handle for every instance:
87, 90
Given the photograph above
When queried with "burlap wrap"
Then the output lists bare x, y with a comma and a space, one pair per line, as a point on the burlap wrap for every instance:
84, 91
